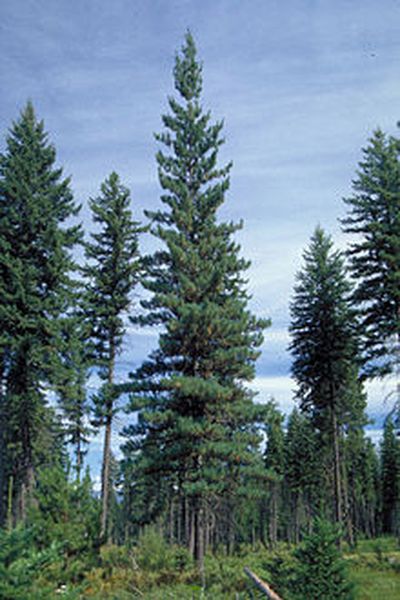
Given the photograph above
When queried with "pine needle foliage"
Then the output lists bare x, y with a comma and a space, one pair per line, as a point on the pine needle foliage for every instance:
111, 273
373, 219
36, 286
197, 422
325, 351
321, 574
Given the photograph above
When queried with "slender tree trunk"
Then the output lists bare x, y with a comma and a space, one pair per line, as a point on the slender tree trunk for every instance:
105, 483
207, 528
25, 492
10, 494
192, 528
199, 538
347, 507
78, 459
187, 528
297, 517
105, 479
336, 470
3, 478
181, 518
171, 519
262, 521
273, 517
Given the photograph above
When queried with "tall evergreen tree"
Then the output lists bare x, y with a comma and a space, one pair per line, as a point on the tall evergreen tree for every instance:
362, 467
374, 218
112, 271
324, 349
197, 424
275, 463
72, 386
390, 473
303, 477
36, 289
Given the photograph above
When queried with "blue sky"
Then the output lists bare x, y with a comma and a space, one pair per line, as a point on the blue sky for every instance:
300, 84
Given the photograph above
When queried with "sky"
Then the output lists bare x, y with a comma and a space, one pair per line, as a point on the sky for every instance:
300, 84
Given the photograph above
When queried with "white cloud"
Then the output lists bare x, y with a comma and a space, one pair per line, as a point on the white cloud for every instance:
382, 395
279, 389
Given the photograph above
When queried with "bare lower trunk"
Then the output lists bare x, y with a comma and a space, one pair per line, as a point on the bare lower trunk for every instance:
105, 480
336, 471
25, 494
10, 494
296, 518
105, 475
199, 539
3, 474
273, 516
347, 507
192, 528
171, 520
78, 459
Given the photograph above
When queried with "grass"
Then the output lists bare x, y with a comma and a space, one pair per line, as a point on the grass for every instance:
374, 584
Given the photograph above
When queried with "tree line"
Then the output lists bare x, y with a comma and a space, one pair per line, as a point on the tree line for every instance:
201, 459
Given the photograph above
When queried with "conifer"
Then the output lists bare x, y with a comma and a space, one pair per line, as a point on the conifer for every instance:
111, 272
197, 419
36, 289
373, 220
390, 470
325, 351
322, 573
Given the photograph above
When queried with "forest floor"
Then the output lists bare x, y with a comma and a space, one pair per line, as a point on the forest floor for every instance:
374, 568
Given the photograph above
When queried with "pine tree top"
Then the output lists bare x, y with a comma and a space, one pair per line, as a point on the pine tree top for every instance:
187, 71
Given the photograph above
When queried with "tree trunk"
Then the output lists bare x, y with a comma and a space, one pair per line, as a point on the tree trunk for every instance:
105, 472
105, 479
192, 528
199, 538
347, 507
336, 470
3, 486
27, 477
297, 517
262, 521
273, 516
171, 519
78, 459
10, 494
262, 585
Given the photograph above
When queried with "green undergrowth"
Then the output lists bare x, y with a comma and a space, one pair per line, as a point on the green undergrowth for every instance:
153, 570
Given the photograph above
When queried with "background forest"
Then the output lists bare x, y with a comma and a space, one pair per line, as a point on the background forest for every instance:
209, 480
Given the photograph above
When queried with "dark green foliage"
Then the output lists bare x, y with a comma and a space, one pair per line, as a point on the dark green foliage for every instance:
324, 343
20, 564
304, 484
325, 351
374, 216
35, 288
322, 574
390, 470
362, 467
57, 545
72, 387
275, 463
111, 272
197, 421
64, 512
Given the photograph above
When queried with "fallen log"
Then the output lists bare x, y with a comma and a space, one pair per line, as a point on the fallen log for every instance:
261, 585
